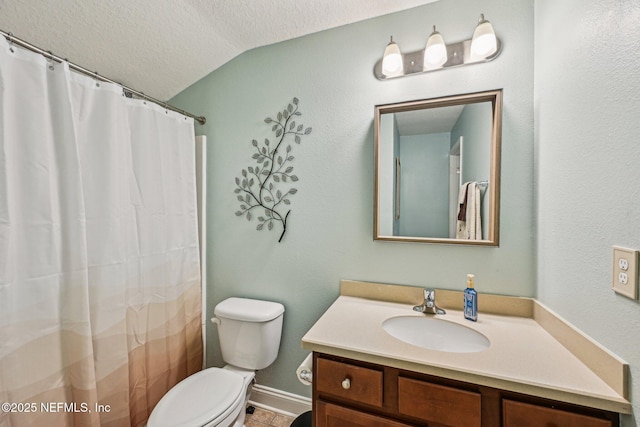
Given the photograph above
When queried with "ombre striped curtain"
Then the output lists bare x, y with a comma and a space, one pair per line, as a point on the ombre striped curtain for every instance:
100, 298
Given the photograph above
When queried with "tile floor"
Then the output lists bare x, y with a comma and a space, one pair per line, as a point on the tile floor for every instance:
263, 418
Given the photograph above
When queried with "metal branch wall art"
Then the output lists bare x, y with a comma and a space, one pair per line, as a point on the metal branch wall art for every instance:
261, 189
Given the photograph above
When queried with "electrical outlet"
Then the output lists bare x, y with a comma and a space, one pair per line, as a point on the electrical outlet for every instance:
623, 263
623, 278
625, 272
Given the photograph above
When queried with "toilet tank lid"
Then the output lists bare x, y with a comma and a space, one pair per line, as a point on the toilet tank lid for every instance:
248, 310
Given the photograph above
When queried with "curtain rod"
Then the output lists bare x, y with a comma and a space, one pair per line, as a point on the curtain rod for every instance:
127, 90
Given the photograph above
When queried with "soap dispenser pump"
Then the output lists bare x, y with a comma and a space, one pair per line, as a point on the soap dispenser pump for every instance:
470, 300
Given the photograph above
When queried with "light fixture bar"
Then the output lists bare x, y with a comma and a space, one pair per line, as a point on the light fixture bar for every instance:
458, 54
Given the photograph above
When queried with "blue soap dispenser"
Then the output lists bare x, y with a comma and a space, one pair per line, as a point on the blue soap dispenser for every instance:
470, 300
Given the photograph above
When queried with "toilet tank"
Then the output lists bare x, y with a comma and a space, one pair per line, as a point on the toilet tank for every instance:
249, 331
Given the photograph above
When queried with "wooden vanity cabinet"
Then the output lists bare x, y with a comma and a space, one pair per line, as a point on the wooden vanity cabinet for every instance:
331, 415
350, 382
520, 414
437, 403
351, 393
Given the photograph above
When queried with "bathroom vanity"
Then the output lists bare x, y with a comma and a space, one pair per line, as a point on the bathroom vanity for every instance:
363, 376
350, 392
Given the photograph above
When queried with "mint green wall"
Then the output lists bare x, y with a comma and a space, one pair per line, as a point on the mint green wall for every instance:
331, 224
474, 125
424, 189
587, 120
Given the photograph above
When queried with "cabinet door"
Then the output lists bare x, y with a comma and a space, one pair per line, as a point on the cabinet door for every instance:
518, 414
439, 404
330, 415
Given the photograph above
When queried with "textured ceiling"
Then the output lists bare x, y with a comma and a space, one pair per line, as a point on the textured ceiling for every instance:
160, 47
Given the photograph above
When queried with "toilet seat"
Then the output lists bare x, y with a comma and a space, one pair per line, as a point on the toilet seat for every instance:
204, 398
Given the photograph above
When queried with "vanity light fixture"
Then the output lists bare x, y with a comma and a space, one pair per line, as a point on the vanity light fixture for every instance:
484, 46
483, 43
392, 65
435, 54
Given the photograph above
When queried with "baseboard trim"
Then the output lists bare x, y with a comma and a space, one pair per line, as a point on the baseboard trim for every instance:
279, 401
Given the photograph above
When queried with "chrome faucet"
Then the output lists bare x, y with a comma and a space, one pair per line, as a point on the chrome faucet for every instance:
429, 305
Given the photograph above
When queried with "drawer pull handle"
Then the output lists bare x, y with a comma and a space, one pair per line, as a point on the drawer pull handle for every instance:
346, 384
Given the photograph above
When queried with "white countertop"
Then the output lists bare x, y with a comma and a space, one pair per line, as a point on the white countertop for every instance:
522, 357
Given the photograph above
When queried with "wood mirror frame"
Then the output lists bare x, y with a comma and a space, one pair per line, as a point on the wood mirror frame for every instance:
491, 207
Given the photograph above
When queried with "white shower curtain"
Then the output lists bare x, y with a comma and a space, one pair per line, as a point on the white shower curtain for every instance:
99, 267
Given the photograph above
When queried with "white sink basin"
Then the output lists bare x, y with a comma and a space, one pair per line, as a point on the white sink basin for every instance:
435, 334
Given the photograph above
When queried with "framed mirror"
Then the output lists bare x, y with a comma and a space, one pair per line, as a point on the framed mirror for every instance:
437, 170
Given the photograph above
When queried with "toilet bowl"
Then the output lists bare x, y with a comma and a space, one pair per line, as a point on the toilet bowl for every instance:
249, 334
212, 397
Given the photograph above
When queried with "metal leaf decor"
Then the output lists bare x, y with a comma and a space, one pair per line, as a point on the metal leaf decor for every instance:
262, 189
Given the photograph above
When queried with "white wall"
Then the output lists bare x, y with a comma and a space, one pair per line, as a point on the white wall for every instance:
386, 183
587, 119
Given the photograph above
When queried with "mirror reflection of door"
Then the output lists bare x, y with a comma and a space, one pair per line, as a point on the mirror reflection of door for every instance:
455, 182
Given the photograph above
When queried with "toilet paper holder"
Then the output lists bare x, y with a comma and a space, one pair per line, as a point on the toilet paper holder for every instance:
306, 375
305, 370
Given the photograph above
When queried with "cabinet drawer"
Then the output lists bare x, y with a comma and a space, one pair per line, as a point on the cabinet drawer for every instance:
440, 404
518, 414
348, 381
330, 415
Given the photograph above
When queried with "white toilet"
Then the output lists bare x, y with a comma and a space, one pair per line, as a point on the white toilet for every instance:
249, 332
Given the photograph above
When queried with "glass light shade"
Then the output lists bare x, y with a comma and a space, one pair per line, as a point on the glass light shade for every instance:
392, 64
483, 43
435, 54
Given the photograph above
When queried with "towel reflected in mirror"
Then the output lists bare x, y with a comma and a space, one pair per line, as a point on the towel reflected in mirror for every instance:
469, 216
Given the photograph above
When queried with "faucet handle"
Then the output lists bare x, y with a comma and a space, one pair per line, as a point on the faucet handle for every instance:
429, 295
429, 305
